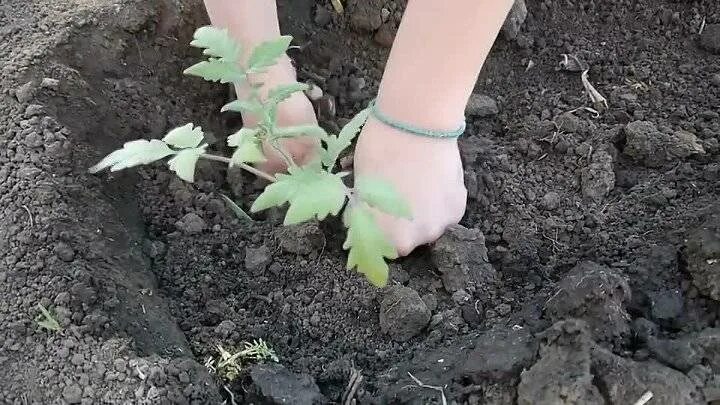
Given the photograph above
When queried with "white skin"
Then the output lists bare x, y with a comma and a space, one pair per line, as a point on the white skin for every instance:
428, 79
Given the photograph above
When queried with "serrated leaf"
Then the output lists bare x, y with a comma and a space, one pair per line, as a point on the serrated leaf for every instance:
184, 137
383, 196
133, 153
280, 93
217, 42
267, 53
248, 147
47, 320
216, 70
314, 131
335, 145
311, 194
368, 245
183, 164
239, 212
252, 106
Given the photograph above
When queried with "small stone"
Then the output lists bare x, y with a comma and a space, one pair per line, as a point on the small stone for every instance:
33, 140
257, 259
315, 319
301, 239
515, 19
120, 365
64, 252
225, 329
191, 224
72, 394
25, 93
77, 359
715, 79
33, 110
357, 83
385, 14
551, 201
481, 106
385, 36
365, 17
710, 38
403, 314
62, 298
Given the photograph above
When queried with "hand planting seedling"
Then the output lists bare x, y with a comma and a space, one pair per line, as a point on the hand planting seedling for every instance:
314, 190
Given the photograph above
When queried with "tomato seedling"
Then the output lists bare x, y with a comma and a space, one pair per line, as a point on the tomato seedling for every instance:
313, 190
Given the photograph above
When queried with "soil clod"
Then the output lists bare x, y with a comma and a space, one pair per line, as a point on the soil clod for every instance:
403, 314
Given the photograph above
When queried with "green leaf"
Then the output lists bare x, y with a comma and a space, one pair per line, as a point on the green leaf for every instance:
47, 320
133, 153
335, 145
217, 42
248, 147
184, 137
239, 212
279, 93
267, 53
311, 194
216, 70
183, 164
314, 131
252, 106
368, 245
383, 196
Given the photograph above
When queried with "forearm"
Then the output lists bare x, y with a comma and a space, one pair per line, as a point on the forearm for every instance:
438, 52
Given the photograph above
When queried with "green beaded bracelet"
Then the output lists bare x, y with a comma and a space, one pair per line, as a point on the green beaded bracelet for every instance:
375, 112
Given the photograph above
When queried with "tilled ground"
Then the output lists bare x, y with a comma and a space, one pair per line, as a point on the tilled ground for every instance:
587, 268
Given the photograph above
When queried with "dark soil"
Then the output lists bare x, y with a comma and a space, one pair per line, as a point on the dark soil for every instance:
586, 270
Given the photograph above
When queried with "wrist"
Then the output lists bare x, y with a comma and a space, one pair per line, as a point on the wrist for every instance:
432, 113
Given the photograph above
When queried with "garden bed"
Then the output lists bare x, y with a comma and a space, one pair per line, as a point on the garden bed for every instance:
585, 270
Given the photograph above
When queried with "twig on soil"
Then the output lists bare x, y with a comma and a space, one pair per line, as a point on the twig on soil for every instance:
647, 396
597, 99
338, 6
702, 27
32, 222
232, 396
432, 387
356, 379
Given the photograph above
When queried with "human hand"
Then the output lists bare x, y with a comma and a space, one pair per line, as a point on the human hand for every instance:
427, 172
296, 110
